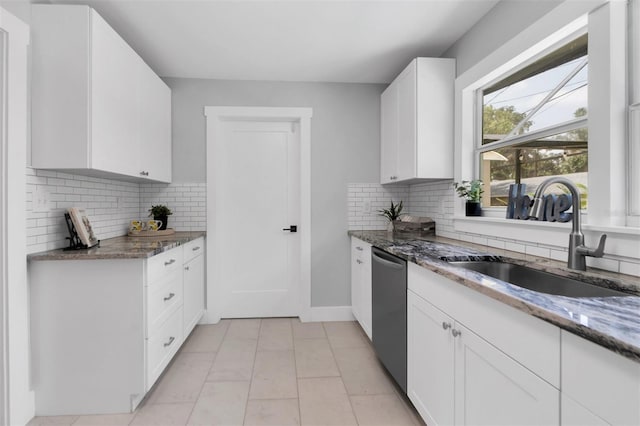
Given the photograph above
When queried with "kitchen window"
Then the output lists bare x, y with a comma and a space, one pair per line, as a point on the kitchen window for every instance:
534, 124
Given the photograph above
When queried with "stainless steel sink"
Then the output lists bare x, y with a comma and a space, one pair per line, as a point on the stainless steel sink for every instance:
536, 280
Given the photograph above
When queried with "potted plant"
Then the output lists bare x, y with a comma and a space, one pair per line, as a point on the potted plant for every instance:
160, 212
392, 213
471, 191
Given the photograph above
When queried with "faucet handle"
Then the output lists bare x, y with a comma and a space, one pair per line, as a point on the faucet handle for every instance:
598, 252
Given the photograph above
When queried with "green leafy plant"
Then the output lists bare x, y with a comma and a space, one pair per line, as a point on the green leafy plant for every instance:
393, 212
470, 190
159, 210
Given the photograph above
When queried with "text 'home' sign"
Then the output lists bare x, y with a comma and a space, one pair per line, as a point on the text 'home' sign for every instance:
554, 206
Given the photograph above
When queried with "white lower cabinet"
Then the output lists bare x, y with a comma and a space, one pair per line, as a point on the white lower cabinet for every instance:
361, 283
457, 376
102, 331
193, 284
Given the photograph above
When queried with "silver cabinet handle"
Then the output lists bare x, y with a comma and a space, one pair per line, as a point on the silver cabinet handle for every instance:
169, 297
171, 262
196, 248
186, 268
359, 248
143, 173
171, 339
358, 261
455, 332
446, 325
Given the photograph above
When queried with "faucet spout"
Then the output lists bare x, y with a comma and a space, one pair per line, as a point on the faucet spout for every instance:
577, 250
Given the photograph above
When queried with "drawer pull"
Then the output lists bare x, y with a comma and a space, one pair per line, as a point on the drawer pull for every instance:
456, 333
171, 339
196, 248
169, 297
171, 262
359, 261
359, 248
186, 268
446, 325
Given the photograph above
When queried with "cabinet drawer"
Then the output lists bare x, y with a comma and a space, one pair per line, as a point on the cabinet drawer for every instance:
163, 264
192, 249
162, 299
162, 345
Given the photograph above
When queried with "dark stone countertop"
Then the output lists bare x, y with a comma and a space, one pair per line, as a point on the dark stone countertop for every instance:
612, 322
124, 247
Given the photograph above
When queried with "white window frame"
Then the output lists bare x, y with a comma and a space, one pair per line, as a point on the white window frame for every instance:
633, 167
607, 45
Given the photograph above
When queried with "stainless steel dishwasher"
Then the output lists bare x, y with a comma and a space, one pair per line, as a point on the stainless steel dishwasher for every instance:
389, 312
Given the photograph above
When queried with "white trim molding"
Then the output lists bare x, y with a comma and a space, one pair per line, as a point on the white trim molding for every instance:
331, 313
17, 398
216, 114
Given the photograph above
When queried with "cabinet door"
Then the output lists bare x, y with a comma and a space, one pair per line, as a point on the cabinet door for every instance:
430, 361
388, 134
574, 414
406, 155
193, 280
114, 101
365, 290
155, 126
494, 389
357, 247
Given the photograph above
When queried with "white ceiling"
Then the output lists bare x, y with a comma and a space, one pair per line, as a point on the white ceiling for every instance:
296, 40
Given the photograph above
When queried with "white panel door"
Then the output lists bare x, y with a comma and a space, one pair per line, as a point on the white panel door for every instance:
406, 155
389, 134
257, 190
493, 389
430, 361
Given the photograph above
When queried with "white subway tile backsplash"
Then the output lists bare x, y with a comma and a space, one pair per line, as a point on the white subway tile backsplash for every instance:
110, 205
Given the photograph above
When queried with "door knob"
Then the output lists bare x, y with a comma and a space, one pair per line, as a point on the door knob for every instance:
291, 228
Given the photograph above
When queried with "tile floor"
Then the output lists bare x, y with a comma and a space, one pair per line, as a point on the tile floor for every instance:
275, 371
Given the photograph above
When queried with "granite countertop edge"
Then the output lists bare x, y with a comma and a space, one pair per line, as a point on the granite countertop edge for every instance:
612, 322
123, 247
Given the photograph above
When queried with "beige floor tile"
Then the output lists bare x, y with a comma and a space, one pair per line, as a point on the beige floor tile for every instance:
274, 376
52, 420
307, 330
234, 360
272, 412
105, 420
220, 403
206, 337
314, 358
346, 334
275, 335
383, 410
324, 402
184, 378
243, 329
163, 414
361, 372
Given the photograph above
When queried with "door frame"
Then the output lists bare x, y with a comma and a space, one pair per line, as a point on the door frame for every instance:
215, 116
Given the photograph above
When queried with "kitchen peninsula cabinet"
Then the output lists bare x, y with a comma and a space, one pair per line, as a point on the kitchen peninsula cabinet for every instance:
417, 122
104, 329
97, 108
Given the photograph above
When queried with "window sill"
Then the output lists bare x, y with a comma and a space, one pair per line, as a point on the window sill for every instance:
622, 241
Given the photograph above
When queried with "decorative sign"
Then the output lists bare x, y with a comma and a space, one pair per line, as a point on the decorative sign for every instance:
554, 206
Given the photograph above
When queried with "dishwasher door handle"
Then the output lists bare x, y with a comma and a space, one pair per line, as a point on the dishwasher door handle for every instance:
387, 263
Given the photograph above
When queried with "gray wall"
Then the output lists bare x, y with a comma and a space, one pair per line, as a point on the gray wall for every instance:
345, 147
501, 23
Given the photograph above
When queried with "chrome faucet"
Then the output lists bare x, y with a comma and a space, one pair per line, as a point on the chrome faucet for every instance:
577, 250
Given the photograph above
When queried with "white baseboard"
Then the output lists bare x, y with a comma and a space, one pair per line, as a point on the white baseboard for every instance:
331, 313
316, 314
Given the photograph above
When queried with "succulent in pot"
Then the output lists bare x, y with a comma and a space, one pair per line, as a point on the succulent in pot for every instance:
471, 191
160, 212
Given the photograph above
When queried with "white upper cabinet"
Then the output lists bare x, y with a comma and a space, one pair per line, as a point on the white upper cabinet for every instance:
417, 122
97, 108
